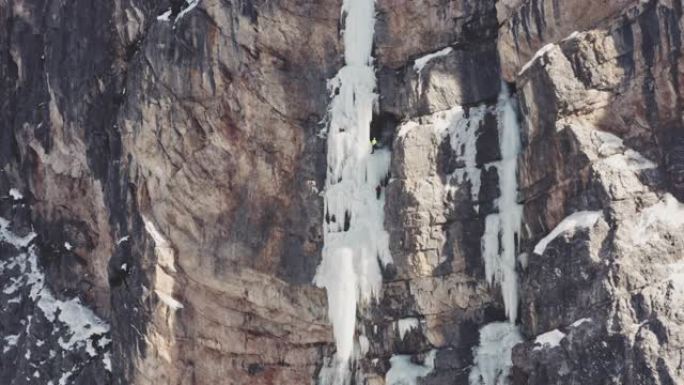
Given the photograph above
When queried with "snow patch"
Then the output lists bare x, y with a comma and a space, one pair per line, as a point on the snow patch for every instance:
549, 339
580, 219
164, 16
65, 377
122, 240
580, 322
10, 237
15, 194
10, 340
107, 361
617, 156
68, 246
80, 323
406, 127
536, 56
492, 357
404, 372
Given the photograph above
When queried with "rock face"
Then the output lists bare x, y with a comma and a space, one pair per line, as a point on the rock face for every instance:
169, 159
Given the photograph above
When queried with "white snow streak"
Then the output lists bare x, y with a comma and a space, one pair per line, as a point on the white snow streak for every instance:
162, 247
189, 6
10, 237
164, 16
492, 360
354, 236
10, 340
420, 63
580, 219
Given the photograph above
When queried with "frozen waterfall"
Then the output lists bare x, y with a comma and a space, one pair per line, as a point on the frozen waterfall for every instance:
502, 228
492, 358
355, 241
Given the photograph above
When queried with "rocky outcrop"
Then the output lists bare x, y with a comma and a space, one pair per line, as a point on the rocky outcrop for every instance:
170, 158
602, 114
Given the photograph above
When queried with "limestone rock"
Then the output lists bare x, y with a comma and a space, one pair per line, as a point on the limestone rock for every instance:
170, 157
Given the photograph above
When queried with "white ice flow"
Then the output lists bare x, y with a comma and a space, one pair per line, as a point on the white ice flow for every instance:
405, 372
492, 360
501, 229
354, 237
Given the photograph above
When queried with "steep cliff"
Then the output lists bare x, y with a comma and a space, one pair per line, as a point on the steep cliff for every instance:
189, 193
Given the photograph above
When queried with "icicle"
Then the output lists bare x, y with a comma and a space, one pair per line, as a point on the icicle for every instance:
502, 228
354, 236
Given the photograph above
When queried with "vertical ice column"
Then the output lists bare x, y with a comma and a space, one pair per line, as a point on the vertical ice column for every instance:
501, 229
492, 358
354, 237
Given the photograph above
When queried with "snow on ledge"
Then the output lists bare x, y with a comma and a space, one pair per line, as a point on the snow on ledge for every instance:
189, 6
420, 63
536, 56
164, 16
580, 219
549, 339
15, 194
580, 322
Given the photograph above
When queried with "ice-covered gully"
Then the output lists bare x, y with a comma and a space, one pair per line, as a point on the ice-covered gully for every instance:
354, 237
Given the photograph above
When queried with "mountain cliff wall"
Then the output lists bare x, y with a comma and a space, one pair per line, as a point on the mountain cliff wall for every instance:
163, 178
